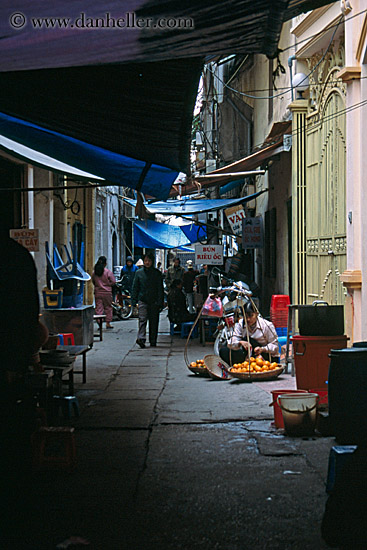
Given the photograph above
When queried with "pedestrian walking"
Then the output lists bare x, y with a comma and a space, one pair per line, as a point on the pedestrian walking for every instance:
103, 280
188, 281
147, 293
128, 271
174, 272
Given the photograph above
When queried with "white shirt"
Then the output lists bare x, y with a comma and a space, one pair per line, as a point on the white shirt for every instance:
264, 332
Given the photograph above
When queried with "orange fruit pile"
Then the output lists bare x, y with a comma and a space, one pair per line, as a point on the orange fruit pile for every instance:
254, 366
198, 363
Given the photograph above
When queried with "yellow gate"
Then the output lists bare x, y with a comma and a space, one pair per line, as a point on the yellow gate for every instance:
325, 211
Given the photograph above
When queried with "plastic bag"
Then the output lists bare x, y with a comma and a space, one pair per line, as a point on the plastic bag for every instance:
213, 307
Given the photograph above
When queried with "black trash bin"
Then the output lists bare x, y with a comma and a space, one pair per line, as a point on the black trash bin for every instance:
347, 393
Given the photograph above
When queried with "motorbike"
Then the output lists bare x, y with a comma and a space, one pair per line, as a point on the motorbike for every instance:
121, 304
234, 297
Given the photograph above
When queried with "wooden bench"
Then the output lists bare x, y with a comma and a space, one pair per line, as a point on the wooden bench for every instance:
99, 320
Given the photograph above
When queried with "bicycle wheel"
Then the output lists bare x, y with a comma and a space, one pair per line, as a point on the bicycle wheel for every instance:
126, 308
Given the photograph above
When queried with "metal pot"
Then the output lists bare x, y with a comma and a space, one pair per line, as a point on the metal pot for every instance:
320, 319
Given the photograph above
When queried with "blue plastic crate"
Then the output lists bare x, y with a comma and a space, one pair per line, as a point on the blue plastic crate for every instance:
281, 331
186, 328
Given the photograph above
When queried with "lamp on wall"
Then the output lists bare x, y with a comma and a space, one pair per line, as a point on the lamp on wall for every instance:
301, 83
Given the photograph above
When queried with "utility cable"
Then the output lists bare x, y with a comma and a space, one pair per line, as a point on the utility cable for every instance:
289, 89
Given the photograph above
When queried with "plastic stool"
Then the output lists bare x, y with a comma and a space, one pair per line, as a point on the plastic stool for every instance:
68, 405
282, 340
60, 340
173, 330
54, 448
67, 339
338, 456
185, 330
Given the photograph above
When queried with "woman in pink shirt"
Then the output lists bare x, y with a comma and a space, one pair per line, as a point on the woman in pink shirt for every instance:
103, 280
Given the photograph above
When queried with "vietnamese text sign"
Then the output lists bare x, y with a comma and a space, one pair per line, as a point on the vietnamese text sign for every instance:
252, 236
26, 237
211, 254
235, 215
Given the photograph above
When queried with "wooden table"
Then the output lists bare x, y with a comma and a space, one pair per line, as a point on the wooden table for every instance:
99, 320
78, 350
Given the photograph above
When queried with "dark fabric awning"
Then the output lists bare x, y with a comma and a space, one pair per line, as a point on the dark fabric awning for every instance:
142, 111
47, 34
296, 7
123, 76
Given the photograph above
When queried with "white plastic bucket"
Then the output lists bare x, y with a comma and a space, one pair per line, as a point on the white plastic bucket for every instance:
299, 412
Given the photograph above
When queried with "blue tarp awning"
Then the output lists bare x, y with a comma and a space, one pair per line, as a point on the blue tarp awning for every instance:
151, 234
96, 162
186, 207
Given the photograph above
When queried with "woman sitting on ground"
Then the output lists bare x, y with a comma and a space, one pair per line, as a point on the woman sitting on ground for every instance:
261, 334
177, 308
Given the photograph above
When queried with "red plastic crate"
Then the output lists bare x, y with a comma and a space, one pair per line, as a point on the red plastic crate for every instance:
279, 320
279, 301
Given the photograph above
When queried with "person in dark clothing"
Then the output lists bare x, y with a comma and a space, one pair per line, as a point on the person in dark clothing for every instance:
20, 336
176, 300
188, 280
129, 271
174, 272
18, 293
147, 293
202, 283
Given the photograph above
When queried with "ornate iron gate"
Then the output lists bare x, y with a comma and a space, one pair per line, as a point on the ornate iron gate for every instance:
325, 213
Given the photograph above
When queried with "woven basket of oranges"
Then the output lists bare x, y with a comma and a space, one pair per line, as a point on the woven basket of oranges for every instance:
256, 369
199, 367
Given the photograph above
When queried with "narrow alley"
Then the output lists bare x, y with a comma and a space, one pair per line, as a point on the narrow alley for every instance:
166, 459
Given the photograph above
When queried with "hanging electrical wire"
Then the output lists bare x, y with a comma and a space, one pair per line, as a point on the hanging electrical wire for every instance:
250, 96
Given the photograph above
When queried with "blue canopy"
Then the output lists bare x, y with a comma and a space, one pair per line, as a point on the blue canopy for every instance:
188, 206
118, 169
151, 234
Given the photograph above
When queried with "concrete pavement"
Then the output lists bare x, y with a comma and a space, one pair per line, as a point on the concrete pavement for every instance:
167, 459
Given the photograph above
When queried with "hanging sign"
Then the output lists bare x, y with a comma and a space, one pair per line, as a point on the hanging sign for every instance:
252, 235
211, 254
235, 215
26, 237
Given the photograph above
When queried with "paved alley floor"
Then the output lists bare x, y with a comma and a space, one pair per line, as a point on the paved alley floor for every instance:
170, 460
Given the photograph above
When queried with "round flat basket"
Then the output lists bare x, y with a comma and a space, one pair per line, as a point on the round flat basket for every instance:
193, 367
258, 376
217, 368
200, 371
